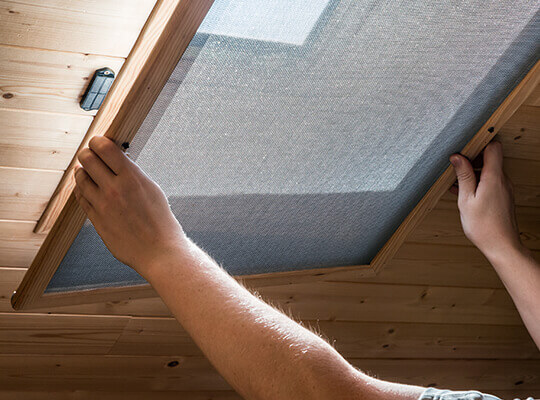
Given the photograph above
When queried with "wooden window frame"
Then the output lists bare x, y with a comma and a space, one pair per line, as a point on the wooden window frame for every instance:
162, 42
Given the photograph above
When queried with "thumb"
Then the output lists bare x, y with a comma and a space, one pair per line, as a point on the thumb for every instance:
465, 175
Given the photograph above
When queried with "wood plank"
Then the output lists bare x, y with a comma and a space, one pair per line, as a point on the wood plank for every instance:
527, 196
471, 150
18, 243
345, 301
164, 336
486, 376
24, 193
415, 263
40, 140
443, 226
166, 35
45, 80
118, 373
58, 334
108, 373
9, 279
82, 26
428, 341
341, 301
520, 136
523, 172
92, 395
432, 264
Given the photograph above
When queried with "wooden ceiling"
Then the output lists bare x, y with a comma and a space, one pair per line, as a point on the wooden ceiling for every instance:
48, 52
436, 315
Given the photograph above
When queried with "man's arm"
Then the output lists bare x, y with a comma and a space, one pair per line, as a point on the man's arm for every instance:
261, 352
488, 219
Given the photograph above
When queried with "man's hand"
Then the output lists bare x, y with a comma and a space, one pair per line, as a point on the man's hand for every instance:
261, 352
129, 211
487, 207
488, 219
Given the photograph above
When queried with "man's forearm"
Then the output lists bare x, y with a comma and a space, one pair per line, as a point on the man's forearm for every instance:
261, 352
520, 273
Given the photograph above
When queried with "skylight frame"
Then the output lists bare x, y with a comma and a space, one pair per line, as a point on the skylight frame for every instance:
149, 66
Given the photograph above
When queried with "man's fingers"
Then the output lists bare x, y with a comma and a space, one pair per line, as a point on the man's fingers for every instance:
95, 167
493, 161
109, 152
86, 186
465, 175
85, 204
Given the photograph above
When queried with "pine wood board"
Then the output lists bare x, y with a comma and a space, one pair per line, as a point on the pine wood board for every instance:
18, 244
487, 376
58, 334
433, 264
522, 172
342, 301
34, 79
119, 373
381, 340
443, 226
345, 301
524, 195
125, 395
163, 336
43, 140
24, 193
520, 136
112, 373
82, 26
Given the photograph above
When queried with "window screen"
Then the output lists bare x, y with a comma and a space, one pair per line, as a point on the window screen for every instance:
295, 136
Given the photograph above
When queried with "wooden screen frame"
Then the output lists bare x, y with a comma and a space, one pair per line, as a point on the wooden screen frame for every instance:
162, 42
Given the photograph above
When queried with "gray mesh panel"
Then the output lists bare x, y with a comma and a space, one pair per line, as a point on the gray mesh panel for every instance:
310, 152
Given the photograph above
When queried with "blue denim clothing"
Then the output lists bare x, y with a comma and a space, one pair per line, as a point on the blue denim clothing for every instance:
438, 394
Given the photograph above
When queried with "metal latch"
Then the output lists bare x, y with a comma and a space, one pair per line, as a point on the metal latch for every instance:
97, 89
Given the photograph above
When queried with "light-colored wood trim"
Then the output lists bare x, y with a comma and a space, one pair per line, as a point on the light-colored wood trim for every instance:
48, 300
163, 40
471, 150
